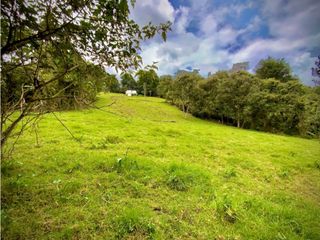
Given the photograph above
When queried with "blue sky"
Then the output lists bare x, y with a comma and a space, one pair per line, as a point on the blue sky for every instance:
213, 34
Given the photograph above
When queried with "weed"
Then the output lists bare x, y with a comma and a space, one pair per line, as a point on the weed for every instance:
112, 139
177, 182
181, 178
221, 237
8, 167
105, 142
133, 223
247, 204
295, 227
124, 165
317, 164
284, 173
97, 146
226, 210
104, 167
76, 167
230, 173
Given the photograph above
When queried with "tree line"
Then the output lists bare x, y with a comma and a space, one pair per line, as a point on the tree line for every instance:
271, 100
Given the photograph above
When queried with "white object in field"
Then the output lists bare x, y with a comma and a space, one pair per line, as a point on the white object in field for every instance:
131, 93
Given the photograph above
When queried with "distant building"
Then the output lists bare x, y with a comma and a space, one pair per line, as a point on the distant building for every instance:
181, 71
196, 70
188, 70
243, 66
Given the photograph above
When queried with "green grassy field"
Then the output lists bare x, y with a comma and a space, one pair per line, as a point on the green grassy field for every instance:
141, 169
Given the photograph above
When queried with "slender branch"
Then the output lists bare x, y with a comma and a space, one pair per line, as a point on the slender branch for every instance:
39, 36
8, 131
65, 126
19, 133
57, 77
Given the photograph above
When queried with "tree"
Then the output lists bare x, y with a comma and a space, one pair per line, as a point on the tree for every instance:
232, 96
40, 38
274, 68
165, 86
276, 106
111, 83
148, 81
211, 107
309, 124
316, 72
128, 82
185, 90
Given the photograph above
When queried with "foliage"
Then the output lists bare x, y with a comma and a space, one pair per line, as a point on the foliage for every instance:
128, 82
277, 106
316, 72
185, 90
148, 81
44, 42
165, 86
310, 120
232, 96
244, 100
274, 68
111, 84
99, 30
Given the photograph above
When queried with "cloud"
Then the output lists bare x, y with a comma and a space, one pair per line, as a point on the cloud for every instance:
292, 19
182, 20
207, 35
155, 11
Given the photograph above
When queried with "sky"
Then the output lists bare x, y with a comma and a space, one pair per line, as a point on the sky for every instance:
211, 35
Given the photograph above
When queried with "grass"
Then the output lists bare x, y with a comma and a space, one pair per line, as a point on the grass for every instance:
141, 169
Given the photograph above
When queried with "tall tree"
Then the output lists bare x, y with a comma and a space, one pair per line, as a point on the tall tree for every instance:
211, 107
165, 86
232, 96
148, 81
128, 82
111, 83
316, 72
185, 90
276, 106
274, 68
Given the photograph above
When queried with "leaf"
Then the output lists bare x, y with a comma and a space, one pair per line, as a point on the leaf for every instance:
124, 6
164, 36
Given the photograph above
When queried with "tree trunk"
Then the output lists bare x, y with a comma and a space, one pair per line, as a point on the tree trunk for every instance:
145, 89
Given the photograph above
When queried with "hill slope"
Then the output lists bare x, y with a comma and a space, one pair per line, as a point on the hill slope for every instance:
141, 169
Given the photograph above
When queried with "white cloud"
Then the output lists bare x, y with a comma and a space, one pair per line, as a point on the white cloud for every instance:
293, 25
182, 20
292, 19
209, 24
155, 11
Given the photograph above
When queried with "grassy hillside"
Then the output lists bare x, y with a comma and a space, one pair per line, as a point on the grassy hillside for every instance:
141, 169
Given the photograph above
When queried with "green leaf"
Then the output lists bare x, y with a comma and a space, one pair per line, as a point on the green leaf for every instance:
124, 6
164, 36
